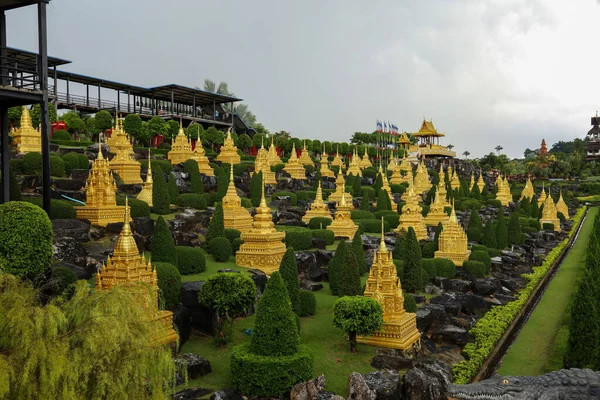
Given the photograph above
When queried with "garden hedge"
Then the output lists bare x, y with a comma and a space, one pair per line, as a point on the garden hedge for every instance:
548, 226
59, 209
308, 303
32, 163
319, 222
325, 234
484, 257
137, 208
429, 266
292, 196
163, 244
231, 234
220, 249
373, 225
361, 214
192, 200
190, 260
62, 278
169, 282
429, 249
297, 237
306, 195
445, 268
61, 135
410, 305
235, 245
164, 165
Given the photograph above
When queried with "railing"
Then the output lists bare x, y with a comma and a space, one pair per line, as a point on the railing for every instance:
16, 73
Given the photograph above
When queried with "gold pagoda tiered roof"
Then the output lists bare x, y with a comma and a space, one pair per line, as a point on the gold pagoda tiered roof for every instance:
411, 215
542, 198
337, 161
405, 164
101, 195
339, 190
354, 167
436, 212
146, 193
318, 208
128, 267
454, 181
503, 194
472, 182
181, 148
124, 163
528, 191
343, 225
234, 215
386, 186
325, 171
263, 164
480, 182
200, 157
305, 156
365, 162
427, 136
294, 167
229, 153
549, 214
26, 138
396, 178
422, 183
561, 206
399, 329
453, 243
262, 246
274, 158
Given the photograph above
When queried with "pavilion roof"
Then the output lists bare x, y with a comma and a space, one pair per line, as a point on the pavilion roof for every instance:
427, 129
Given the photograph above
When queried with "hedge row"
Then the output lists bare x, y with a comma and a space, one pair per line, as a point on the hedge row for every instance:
292, 196
297, 237
373, 225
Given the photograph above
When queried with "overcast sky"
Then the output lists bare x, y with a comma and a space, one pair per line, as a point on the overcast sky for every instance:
488, 73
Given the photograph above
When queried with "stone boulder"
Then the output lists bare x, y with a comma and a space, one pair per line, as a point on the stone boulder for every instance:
183, 322
143, 226
202, 318
452, 334
70, 185
308, 390
71, 254
427, 381
226, 394
74, 228
323, 257
472, 304
318, 243
259, 278
358, 388
457, 285
191, 394
386, 384
390, 359
310, 285
307, 263
449, 301
431, 316
196, 365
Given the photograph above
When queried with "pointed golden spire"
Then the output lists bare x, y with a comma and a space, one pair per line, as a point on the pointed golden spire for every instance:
263, 200
126, 245
319, 195
149, 175
100, 155
262, 142
343, 199
382, 247
453, 214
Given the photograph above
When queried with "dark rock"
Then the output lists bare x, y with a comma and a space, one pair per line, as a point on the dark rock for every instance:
197, 365
143, 225
306, 261
97, 232
430, 315
139, 241
457, 285
202, 318
229, 270
419, 299
441, 282
308, 390
71, 254
427, 381
309, 285
432, 289
472, 304
386, 384
182, 238
259, 278
68, 184
358, 388
390, 359
227, 394
80, 174
323, 257
449, 301
183, 322
191, 394
483, 287
75, 228
318, 243
114, 227
452, 334
189, 293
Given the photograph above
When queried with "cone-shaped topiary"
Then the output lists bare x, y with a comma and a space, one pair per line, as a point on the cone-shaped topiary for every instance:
196, 181
514, 229
359, 253
160, 193
413, 263
256, 188
163, 245
534, 208
475, 193
400, 249
349, 282
525, 206
222, 183
501, 231
356, 185
318, 178
383, 201
485, 193
378, 184
289, 273
365, 203
173, 189
540, 211
334, 267
475, 220
489, 235
275, 331
216, 225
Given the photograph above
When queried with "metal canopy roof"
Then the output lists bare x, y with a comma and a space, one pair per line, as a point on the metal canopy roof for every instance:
10, 4
186, 94
90, 80
31, 57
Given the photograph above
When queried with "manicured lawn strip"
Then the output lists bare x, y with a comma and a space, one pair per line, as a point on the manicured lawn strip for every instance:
535, 347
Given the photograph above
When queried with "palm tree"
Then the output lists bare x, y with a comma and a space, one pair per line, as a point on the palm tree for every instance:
211, 86
466, 154
450, 146
240, 109
498, 148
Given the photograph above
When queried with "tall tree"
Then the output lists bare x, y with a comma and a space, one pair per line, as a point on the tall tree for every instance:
349, 283
359, 253
501, 230
163, 244
288, 268
413, 263
160, 192
334, 268
489, 235
514, 229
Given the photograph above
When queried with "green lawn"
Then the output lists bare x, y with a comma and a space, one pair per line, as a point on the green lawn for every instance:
541, 344
589, 198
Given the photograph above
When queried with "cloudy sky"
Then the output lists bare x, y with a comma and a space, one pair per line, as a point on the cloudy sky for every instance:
495, 72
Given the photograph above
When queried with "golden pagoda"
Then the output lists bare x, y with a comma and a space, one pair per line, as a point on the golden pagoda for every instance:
318, 208
354, 167
501, 194
294, 167
472, 182
405, 164
542, 198
262, 164
441, 189
273, 156
409, 179
25, 137
181, 148
262, 246
549, 215
396, 177
234, 215
453, 243
337, 161
200, 157
399, 329
365, 162
343, 225
428, 142
454, 182
422, 183
128, 267
101, 195
528, 191
229, 153
124, 163
386, 186
436, 212
339, 190
411, 215
305, 157
146, 193
325, 171
480, 182
561, 206
506, 188
404, 142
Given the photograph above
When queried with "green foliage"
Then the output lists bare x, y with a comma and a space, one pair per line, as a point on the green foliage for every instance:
216, 225
235, 245
474, 234
173, 190
222, 183
62, 135
400, 249
190, 260
534, 223
32, 163
484, 257
501, 231
196, 181
548, 226
231, 234
357, 315
169, 283
164, 165
378, 184
59, 209
525, 206
368, 191
534, 208
160, 193
13, 186
373, 225
256, 188
475, 193
297, 237
365, 203
288, 268
132, 124
445, 268
99, 327
25, 239
327, 235
359, 253
399, 189
229, 294
412, 263
360, 214
74, 160
308, 303
292, 196
429, 267
192, 200
383, 201
475, 220
349, 280
489, 235
163, 245
137, 208
57, 166
356, 184
335, 266
475, 268
319, 222
410, 305
429, 249
61, 279
438, 232
103, 120
220, 249
514, 229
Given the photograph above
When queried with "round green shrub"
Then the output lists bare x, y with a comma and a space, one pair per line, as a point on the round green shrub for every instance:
61, 135
231, 234
399, 189
57, 166
16, 165
494, 252
547, 226
429, 266
62, 278
410, 305
319, 222
192, 200
429, 249
529, 229
169, 282
477, 247
25, 239
373, 225
84, 162
216, 226
369, 173
475, 268
137, 208
32, 163
297, 237
292, 196
220, 249
190, 260
246, 203
368, 190
384, 213
308, 303
325, 234
71, 161
235, 245
474, 234
59, 209
494, 203
484, 257
230, 294
361, 214
445, 268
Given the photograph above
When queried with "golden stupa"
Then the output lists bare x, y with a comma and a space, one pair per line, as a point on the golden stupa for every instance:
354, 167
549, 215
396, 177
124, 163
234, 215
386, 186
409, 179
436, 212
274, 158
128, 267
561, 206
294, 167
453, 243
506, 188
339, 190
441, 189
528, 191
262, 164
200, 157
472, 182
343, 225
305, 156
405, 164
480, 182
101, 195
454, 182
262, 246
501, 194
229, 152
325, 171
146, 193
542, 198
337, 161
411, 215
181, 148
365, 162
422, 183
25, 137
318, 208
399, 329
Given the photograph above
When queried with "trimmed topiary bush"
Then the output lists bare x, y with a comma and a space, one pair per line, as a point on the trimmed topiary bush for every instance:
288, 268
547, 226
61, 135
413, 263
429, 266
196, 181
13, 186
59, 209
445, 268
169, 283
297, 237
383, 201
71, 161
475, 268
216, 226
474, 234
137, 208
373, 225
220, 249
25, 239
361, 214
163, 244
161, 200
429, 249
319, 222
173, 189
190, 260
489, 235
357, 315
292, 196
308, 303
359, 253
501, 231
57, 166
392, 219
484, 257
235, 245
192, 200
32, 163
324, 234
399, 264
410, 305
349, 280
334, 267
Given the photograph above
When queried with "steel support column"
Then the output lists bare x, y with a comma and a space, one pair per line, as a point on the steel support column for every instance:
128, 100
99, 96
44, 122
4, 164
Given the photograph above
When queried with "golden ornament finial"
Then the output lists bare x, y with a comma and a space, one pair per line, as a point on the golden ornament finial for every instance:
262, 142
263, 200
382, 247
